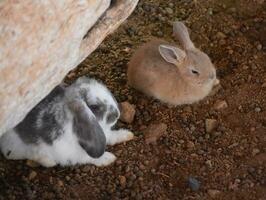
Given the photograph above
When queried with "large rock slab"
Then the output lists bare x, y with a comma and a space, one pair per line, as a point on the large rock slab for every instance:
41, 41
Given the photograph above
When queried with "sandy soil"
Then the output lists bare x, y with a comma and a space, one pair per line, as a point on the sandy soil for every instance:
187, 162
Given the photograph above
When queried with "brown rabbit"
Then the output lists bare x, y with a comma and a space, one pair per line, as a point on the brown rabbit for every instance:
170, 74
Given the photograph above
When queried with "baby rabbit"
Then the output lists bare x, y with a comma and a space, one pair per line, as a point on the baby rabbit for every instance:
72, 125
173, 75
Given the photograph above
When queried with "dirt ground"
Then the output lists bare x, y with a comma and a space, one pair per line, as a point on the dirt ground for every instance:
227, 163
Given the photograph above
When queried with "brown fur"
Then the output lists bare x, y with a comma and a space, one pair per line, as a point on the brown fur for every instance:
151, 74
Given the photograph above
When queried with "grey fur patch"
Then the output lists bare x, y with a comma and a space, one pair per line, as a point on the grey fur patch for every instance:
86, 127
112, 115
44, 121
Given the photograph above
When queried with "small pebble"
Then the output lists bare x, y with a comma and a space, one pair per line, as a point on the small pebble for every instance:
213, 193
154, 132
181, 141
216, 134
255, 151
171, 5
193, 183
159, 33
209, 163
127, 112
67, 178
60, 183
32, 175
211, 125
169, 10
122, 181
220, 35
257, 109
190, 145
210, 11
220, 105
259, 47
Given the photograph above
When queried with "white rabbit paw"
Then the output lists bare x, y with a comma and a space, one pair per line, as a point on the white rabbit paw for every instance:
46, 162
119, 136
106, 159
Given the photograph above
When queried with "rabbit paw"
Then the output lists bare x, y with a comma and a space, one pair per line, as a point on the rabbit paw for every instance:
106, 159
46, 162
119, 136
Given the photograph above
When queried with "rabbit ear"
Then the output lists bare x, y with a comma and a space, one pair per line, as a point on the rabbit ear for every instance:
181, 33
172, 54
90, 134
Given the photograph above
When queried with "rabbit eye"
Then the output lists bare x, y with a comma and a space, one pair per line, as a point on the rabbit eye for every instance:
195, 72
94, 108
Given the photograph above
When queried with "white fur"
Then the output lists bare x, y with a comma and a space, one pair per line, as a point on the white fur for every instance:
66, 149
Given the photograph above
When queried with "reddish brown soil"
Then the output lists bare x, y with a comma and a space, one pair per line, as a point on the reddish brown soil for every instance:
231, 159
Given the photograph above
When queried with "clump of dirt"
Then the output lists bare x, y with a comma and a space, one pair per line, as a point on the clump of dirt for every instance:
228, 162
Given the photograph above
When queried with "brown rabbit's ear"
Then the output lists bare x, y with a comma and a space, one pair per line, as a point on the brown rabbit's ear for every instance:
181, 33
172, 54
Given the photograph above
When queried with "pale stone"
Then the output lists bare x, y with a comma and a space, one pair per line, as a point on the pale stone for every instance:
41, 41
213, 193
220, 105
154, 132
127, 112
210, 124
32, 175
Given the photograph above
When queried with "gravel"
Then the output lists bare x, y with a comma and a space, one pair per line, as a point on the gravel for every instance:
193, 183
187, 161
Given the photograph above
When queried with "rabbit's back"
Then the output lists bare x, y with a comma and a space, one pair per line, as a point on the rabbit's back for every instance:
148, 71
44, 122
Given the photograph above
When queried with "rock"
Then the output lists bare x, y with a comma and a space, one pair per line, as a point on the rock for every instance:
169, 10
216, 134
122, 181
171, 5
154, 132
181, 141
32, 175
257, 109
220, 35
60, 183
127, 112
193, 183
211, 125
187, 109
86, 168
209, 163
190, 145
32, 163
259, 47
159, 33
213, 193
210, 11
220, 105
41, 42
255, 151
233, 145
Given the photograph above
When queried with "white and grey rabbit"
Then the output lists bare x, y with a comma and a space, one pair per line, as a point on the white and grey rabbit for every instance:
72, 125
